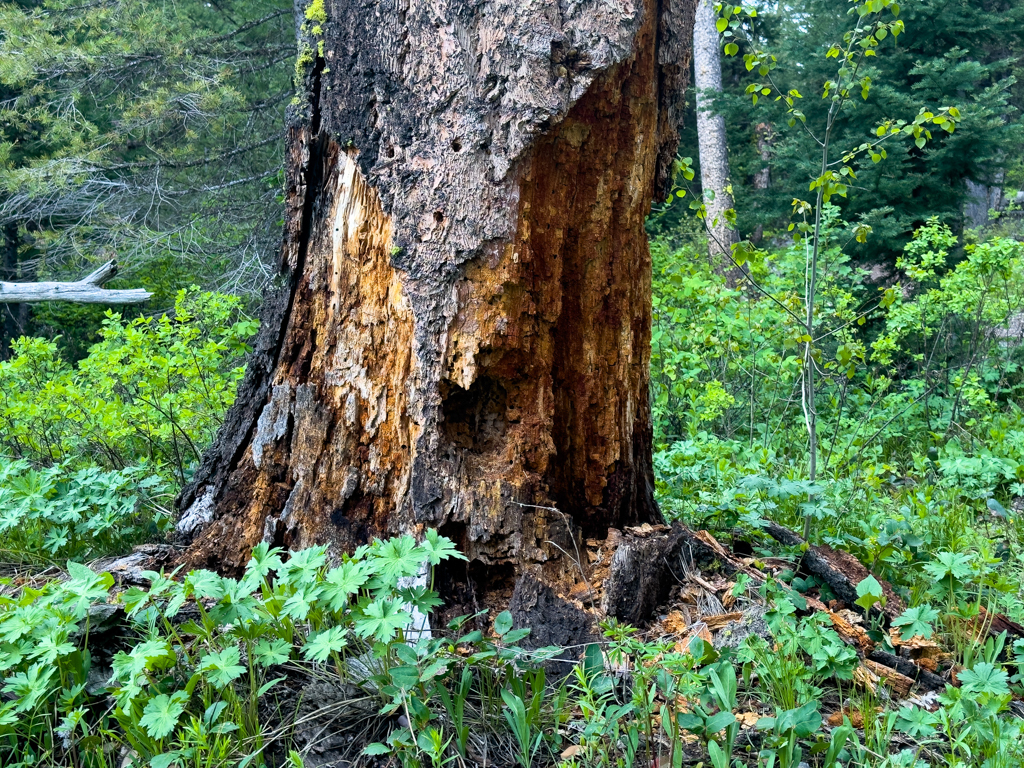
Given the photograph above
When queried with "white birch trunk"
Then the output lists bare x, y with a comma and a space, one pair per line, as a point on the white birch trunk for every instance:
714, 157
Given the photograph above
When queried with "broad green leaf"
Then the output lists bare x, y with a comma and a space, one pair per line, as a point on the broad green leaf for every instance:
869, 592
321, 645
161, 714
916, 621
222, 668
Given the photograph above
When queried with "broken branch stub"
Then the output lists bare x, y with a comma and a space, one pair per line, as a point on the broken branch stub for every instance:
88, 290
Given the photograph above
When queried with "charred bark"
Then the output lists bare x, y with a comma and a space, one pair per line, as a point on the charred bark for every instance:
461, 335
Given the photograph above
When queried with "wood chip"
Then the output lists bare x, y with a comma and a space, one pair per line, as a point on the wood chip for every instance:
747, 719
851, 616
815, 604
855, 715
856, 718
719, 620
698, 629
675, 623
897, 683
851, 633
865, 678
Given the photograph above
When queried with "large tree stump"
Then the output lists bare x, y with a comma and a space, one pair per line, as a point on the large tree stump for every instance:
461, 335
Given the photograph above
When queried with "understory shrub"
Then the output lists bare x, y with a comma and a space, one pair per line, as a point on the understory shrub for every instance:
153, 390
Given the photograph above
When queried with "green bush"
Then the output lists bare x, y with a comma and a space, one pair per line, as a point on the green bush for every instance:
153, 390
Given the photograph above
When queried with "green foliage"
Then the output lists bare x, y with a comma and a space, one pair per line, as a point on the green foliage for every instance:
198, 691
967, 54
58, 514
151, 390
190, 691
150, 131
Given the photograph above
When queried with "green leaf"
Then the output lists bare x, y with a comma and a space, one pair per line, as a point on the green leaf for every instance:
869, 592
321, 645
344, 581
165, 760
593, 660
804, 720
984, 678
438, 547
381, 619
950, 565
161, 715
267, 653
916, 621
396, 558
29, 687
997, 509
916, 722
205, 584
721, 25
264, 560
303, 566
502, 623
719, 721
222, 668
718, 757
405, 677
48, 650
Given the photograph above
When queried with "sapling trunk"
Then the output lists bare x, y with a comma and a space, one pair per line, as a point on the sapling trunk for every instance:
810, 411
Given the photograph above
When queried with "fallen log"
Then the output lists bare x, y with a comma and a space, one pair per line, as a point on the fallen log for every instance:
925, 679
840, 570
88, 290
996, 623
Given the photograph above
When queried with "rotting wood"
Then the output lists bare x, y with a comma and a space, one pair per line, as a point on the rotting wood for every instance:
840, 570
88, 290
461, 337
929, 681
645, 558
997, 623
900, 684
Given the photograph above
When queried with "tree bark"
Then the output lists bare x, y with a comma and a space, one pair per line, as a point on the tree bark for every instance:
711, 139
461, 335
10, 318
763, 177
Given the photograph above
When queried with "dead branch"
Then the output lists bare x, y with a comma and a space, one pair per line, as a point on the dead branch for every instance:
88, 290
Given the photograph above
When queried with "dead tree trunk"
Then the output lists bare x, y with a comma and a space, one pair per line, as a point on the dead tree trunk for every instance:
711, 139
461, 335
